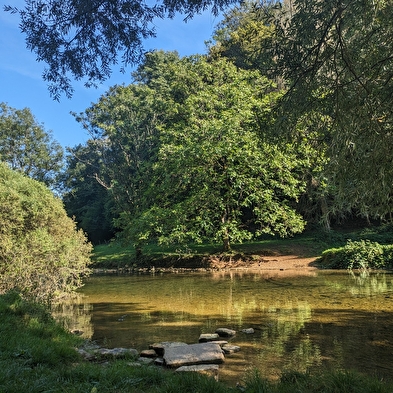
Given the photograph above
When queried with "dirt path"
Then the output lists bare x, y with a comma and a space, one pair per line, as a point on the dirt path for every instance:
290, 264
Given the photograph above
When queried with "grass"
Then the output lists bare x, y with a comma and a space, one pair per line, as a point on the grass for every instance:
311, 243
116, 255
38, 355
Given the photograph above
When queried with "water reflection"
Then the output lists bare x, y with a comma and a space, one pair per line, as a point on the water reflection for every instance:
326, 319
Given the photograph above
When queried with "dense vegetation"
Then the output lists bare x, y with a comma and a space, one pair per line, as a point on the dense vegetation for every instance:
285, 124
42, 255
37, 354
252, 138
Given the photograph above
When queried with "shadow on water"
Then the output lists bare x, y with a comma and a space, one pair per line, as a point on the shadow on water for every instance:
331, 320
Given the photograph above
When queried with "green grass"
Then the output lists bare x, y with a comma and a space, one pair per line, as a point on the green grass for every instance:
311, 243
38, 355
116, 255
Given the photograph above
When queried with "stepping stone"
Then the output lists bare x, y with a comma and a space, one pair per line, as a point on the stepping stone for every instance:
220, 342
224, 332
160, 347
203, 338
203, 353
148, 353
228, 349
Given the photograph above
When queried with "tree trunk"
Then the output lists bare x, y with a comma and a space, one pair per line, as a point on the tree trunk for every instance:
225, 234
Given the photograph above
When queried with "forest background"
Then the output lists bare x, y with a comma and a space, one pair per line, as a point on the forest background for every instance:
284, 124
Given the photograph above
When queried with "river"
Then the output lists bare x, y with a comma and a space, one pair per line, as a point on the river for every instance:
322, 319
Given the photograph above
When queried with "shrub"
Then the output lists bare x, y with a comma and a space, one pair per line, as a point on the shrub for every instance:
362, 254
42, 255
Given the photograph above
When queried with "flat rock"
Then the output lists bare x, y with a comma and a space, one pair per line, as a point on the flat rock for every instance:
219, 342
148, 353
206, 337
207, 369
228, 349
202, 353
160, 347
224, 332
145, 361
115, 352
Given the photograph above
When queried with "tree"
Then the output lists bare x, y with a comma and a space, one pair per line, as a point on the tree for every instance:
41, 253
216, 177
124, 125
84, 197
26, 147
246, 37
336, 57
85, 38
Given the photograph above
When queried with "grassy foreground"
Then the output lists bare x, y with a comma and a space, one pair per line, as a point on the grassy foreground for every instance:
38, 355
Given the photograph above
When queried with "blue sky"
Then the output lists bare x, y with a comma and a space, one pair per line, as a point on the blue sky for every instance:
21, 85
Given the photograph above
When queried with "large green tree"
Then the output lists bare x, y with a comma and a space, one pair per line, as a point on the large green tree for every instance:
42, 255
218, 175
85, 38
26, 147
247, 36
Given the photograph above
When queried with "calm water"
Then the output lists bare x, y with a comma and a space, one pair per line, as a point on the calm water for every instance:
325, 319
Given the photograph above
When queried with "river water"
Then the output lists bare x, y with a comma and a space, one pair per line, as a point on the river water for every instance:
319, 320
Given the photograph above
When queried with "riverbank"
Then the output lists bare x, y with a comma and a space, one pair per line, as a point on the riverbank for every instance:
284, 255
284, 265
37, 354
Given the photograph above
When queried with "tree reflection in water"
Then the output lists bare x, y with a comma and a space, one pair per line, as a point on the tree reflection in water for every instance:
327, 319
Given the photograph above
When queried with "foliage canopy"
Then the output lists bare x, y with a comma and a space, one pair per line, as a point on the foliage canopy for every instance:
85, 38
188, 156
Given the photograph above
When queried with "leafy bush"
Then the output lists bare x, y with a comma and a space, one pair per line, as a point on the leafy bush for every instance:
362, 254
42, 255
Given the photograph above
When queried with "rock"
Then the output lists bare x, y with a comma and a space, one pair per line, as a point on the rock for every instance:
146, 361
248, 331
148, 353
115, 352
86, 354
160, 347
203, 338
228, 349
224, 332
207, 369
220, 342
159, 362
202, 353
